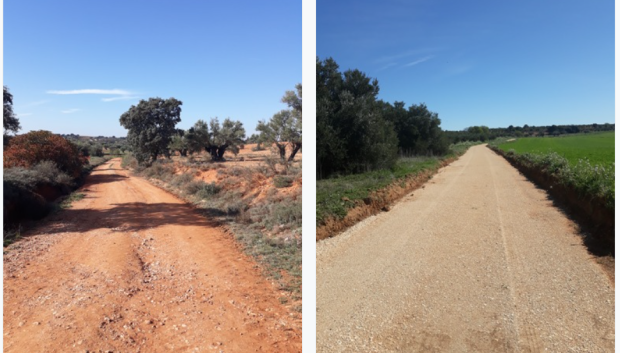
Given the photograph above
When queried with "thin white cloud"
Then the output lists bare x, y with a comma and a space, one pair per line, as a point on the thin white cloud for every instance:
405, 54
387, 66
33, 104
69, 111
455, 70
92, 91
112, 99
419, 61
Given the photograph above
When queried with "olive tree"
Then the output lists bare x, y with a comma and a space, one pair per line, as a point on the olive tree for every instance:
285, 127
230, 135
214, 138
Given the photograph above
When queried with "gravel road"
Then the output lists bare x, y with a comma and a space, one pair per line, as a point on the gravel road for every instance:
479, 260
131, 268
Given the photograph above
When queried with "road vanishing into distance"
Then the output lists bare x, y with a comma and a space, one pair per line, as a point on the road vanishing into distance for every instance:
131, 268
479, 260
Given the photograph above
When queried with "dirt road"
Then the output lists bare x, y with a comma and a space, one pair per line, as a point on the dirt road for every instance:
477, 261
131, 268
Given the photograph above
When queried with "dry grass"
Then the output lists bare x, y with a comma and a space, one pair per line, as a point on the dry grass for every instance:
259, 202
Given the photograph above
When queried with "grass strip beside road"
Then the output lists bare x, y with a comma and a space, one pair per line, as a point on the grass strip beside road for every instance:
336, 196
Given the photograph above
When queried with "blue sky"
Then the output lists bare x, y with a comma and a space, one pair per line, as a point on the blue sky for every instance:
493, 63
76, 66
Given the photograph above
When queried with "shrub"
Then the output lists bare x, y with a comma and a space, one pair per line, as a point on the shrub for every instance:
181, 180
285, 213
208, 190
281, 181
129, 161
36, 146
585, 178
201, 189
96, 150
44, 172
159, 170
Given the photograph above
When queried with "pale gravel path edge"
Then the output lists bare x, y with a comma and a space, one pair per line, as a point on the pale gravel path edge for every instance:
477, 260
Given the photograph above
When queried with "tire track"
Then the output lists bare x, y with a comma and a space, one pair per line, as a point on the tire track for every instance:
524, 330
132, 269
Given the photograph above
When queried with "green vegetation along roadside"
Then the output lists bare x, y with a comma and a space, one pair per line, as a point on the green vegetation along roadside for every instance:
337, 196
584, 162
564, 166
32, 193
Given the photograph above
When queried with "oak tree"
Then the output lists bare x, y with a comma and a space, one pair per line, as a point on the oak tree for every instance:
150, 126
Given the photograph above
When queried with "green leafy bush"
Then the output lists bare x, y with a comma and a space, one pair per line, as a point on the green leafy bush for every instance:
585, 177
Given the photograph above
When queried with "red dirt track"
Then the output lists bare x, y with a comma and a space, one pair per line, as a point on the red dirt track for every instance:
131, 268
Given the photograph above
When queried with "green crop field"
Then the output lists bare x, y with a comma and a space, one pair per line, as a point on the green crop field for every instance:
598, 148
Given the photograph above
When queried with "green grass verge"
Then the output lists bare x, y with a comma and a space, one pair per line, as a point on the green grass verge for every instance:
597, 148
335, 196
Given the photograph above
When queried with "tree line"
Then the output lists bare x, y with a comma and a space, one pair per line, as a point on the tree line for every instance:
356, 132
151, 130
484, 133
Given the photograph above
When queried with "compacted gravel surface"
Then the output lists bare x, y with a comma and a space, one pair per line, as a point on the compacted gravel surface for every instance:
131, 268
479, 260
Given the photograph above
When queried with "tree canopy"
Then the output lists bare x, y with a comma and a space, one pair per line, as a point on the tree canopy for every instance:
214, 138
229, 135
151, 125
356, 132
10, 121
285, 127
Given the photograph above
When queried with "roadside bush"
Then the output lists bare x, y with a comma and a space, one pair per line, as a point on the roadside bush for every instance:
284, 213
159, 170
180, 180
585, 178
28, 193
208, 190
36, 146
95, 150
129, 161
462, 147
44, 172
281, 181
201, 189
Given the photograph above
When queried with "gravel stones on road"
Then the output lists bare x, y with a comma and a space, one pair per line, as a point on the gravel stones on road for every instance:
479, 260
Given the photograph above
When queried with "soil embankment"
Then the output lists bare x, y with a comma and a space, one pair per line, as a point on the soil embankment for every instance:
592, 212
378, 201
133, 268
479, 260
